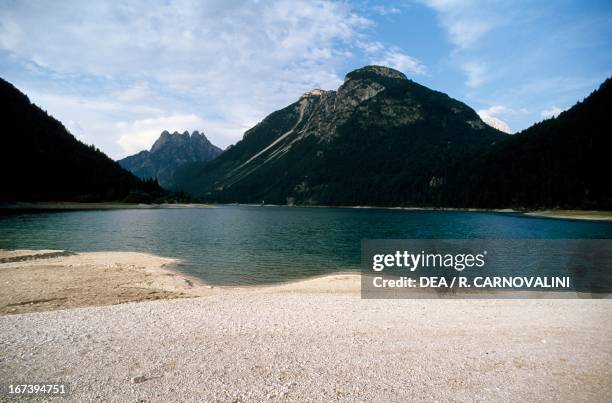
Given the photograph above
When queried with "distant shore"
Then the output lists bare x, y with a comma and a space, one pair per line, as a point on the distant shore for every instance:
96, 206
123, 326
563, 214
593, 215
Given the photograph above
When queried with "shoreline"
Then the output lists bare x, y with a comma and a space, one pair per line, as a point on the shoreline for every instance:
589, 215
594, 215
52, 206
47, 280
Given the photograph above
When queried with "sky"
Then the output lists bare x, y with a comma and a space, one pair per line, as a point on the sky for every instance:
118, 73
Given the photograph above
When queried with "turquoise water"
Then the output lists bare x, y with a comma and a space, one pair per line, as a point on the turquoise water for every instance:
254, 245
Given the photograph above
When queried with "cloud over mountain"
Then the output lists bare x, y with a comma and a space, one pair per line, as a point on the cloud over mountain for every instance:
226, 62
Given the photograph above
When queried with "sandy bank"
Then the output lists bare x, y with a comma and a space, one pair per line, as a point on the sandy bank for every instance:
574, 214
567, 214
45, 280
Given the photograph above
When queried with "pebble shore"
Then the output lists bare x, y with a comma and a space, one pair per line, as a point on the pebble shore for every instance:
296, 346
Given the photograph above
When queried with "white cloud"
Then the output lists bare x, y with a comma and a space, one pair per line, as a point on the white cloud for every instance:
92, 119
523, 54
398, 60
386, 10
469, 24
77, 130
228, 62
551, 112
491, 117
477, 74
466, 22
138, 92
495, 122
495, 110
371, 47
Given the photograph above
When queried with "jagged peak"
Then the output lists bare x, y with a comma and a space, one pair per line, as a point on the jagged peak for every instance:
198, 134
195, 133
167, 138
377, 70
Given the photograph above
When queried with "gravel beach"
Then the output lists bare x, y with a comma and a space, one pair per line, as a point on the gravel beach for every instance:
316, 340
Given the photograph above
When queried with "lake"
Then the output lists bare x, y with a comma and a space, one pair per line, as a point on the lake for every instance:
237, 245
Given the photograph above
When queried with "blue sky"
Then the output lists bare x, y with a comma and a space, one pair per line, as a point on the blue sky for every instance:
118, 73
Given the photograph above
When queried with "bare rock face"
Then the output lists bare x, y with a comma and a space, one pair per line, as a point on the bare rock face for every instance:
168, 153
327, 110
341, 147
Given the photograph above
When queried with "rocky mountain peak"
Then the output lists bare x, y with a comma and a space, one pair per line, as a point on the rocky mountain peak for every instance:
173, 139
298, 151
170, 151
365, 83
375, 71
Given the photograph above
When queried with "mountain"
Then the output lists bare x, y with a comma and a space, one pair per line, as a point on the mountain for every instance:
41, 161
168, 153
380, 139
561, 162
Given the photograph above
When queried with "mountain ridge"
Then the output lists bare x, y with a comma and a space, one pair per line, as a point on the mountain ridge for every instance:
384, 140
305, 152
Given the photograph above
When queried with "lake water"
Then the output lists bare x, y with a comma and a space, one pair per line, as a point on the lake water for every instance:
230, 245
